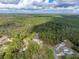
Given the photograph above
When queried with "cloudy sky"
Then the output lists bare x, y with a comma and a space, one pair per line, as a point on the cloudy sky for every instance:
56, 4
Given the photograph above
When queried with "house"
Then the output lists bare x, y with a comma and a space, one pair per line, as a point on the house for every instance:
37, 39
4, 40
62, 49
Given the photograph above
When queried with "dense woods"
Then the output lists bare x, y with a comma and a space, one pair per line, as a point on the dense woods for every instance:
52, 29
57, 30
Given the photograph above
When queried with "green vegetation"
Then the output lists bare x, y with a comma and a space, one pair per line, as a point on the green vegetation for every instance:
70, 57
52, 29
59, 28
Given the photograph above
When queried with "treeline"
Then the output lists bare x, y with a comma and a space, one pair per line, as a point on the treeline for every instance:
54, 32
70, 57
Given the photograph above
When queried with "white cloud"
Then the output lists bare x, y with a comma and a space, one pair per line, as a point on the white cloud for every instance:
28, 3
21, 4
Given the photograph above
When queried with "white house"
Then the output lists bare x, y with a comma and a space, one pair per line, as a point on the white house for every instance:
62, 50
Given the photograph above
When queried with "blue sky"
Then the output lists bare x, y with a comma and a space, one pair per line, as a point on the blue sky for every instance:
51, 0
54, 5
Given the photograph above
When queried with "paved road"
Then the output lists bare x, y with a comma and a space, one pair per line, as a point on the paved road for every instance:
55, 54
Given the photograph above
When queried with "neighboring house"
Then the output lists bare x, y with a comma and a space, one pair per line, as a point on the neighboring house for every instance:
37, 39
62, 49
4, 40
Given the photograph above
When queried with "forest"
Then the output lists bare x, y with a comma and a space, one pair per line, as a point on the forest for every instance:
52, 30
